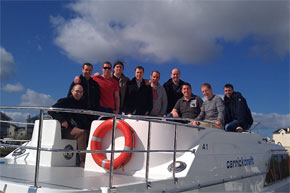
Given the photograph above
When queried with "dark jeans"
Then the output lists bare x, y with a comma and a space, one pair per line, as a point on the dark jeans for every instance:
233, 125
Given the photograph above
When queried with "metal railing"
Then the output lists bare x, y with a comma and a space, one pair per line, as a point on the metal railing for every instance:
166, 120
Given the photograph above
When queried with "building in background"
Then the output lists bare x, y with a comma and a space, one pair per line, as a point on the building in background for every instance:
282, 137
4, 127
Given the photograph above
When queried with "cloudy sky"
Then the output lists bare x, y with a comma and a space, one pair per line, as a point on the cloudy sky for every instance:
246, 43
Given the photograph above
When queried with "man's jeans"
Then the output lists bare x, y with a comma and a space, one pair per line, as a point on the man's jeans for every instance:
233, 125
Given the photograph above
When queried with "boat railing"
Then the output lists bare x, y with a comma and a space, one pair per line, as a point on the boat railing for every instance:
172, 121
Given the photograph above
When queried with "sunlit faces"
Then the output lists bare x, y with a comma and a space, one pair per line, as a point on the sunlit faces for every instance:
186, 91
228, 91
155, 77
207, 92
139, 73
77, 92
87, 71
118, 69
175, 75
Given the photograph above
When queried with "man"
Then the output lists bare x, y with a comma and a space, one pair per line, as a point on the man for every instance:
212, 109
159, 96
91, 95
238, 116
189, 105
110, 99
122, 80
73, 125
173, 89
138, 98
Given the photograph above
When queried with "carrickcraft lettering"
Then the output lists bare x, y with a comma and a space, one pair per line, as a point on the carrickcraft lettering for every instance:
240, 162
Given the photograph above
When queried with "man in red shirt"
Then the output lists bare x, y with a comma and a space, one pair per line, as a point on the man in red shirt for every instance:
109, 89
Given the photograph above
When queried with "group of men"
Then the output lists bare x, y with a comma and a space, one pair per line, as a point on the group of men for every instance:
113, 92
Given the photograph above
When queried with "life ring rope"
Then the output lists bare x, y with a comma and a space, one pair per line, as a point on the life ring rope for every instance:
96, 144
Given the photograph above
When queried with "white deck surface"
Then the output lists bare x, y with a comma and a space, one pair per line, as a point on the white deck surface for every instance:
74, 178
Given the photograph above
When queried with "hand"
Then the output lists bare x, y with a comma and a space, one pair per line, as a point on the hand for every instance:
97, 74
147, 82
116, 112
77, 80
174, 113
218, 124
147, 113
239, 129
196, 123
64, 124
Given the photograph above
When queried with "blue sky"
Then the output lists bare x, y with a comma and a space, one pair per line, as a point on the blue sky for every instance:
246, 43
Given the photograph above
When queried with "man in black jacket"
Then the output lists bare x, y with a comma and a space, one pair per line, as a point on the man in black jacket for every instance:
238, 116
91, 95
73, 125
138, 97
173, 89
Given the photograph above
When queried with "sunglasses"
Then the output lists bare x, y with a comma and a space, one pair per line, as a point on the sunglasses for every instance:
107, 68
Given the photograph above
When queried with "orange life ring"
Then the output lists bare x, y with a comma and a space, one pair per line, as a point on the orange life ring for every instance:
96, 144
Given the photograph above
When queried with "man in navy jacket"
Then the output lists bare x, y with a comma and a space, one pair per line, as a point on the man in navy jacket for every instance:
91, 95
138, 97
238, 116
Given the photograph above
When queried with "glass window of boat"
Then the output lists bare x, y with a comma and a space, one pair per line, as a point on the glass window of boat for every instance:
278, 168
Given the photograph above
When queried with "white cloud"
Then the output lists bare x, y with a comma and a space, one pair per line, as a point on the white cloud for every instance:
13, 87
32, 98
175, 29
268, 123
6, 64
272, 120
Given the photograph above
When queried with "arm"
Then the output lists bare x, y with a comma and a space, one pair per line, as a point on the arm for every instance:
77, 80
168, 97
117, 102
220, 108
126, 101
59, 115
164, 102
174, 113
176, 110
97, 74
201, 114
69, 91
149, 100
242, 108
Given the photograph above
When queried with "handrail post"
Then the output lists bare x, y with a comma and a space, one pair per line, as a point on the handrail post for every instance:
112, 153
148, 155
174, 156
36, 175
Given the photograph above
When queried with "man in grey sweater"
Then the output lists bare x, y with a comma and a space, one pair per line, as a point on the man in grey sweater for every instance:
212, 110
159, 96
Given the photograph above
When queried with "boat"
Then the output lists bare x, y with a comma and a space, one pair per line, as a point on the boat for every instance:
128, 153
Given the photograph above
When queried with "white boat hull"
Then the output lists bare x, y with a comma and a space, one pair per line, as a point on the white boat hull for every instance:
217, 161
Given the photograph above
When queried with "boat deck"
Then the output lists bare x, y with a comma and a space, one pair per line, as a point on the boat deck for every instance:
66, 178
